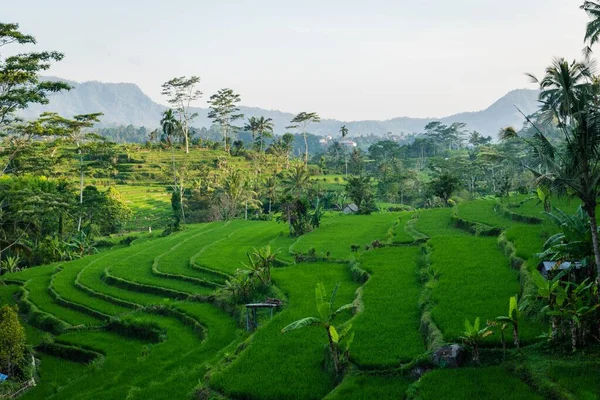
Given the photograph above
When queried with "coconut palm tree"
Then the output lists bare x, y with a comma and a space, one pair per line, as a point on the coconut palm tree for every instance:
561, 87
570, 94
297, 181
592, 30
265, 130
252, 127
271, 186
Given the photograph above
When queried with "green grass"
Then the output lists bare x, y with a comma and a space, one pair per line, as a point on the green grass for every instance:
56, 374
338, 232
474, 280
483, 211
387, 330
399, 234
366, 387
38, 294
489, 383
138, 370
581, 379
245, 235
288, 366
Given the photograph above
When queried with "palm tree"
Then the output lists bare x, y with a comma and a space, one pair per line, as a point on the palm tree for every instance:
570, 94
344, 132
561, 87
171, 128
297, 181
271, 186
592, 31
265, 129
252, 127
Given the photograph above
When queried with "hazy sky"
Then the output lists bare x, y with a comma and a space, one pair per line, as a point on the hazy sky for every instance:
345, 59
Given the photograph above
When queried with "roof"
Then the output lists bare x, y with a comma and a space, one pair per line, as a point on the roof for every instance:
352, 207
261, 305
545, 266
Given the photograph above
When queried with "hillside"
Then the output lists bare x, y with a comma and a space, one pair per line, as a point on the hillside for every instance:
125, 104
147, 313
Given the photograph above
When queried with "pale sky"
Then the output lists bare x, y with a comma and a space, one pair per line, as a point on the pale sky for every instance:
345, 59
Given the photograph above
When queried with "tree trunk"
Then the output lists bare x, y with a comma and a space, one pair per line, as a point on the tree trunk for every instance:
591, 211
334, 354
187, 142
269, 205
516, 335
305, 149
80, 189
246, 211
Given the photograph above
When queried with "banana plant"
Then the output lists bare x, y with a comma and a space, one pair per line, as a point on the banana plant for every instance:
260, 262
473, 335
554, 294
326, 314
514, 316
575, 240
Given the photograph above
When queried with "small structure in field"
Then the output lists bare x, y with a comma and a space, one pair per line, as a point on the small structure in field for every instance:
252, 312
351, 209
550, 269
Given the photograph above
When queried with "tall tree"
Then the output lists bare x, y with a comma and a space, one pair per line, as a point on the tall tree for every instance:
12, 339
20, 83
592, 30
182, 92
252, 127
302, 120
344, 132
224, 111
573, 166
265, 130
74, 130
172, 128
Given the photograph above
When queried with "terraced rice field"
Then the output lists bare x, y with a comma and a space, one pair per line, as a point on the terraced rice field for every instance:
168, 283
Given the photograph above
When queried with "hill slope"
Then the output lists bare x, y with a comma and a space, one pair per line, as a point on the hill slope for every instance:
125, 103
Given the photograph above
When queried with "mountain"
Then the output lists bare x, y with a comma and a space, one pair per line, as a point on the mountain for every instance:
125, 104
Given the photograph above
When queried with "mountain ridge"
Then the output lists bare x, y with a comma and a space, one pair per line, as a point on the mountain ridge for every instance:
125, 103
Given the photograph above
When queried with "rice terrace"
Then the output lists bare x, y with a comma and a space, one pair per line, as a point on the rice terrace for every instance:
233, 252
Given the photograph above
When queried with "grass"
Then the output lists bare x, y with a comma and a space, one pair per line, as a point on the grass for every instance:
38, 294
473, 383
473, 278
387, 330
365, 387
56, 374
338, 232
399, 233
580, 379
288, 366
246, 235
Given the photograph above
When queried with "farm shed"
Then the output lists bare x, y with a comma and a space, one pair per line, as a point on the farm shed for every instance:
350, 209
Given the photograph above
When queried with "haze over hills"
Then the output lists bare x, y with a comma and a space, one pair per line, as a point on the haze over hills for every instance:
125, 104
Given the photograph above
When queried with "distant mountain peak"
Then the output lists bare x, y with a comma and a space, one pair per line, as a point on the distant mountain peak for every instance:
124, 103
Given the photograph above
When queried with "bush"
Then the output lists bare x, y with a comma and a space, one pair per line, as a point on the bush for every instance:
137, 328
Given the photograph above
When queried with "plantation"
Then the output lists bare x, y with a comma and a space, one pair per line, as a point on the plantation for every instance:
219, 253
164, 285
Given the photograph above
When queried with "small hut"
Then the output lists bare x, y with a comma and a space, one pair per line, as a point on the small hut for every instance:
351, 209
550, 269
252, 312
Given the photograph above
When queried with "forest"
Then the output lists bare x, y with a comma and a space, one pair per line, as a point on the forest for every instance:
230, 262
